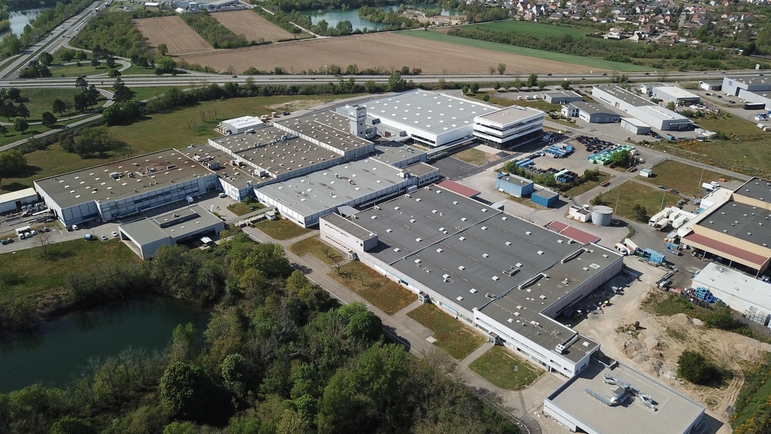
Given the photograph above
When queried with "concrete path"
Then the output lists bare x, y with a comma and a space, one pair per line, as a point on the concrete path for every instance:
413, 336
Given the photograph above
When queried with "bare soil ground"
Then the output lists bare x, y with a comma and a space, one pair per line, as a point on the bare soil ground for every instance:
386, 50
251, 25
173, 32
656, 345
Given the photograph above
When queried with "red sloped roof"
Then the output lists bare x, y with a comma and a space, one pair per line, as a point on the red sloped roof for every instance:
458, 188
727, 249
579, 235
557, 226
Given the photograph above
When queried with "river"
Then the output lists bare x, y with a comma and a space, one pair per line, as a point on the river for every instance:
334, 16
60, 348
21, 18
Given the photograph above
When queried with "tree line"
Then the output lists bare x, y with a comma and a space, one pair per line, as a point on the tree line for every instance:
116, 34
213, 32
278, 356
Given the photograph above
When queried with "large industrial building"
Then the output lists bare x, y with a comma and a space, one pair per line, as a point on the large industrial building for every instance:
736, 228
743, 293
739, 86
147, 235
641, 108
500, 274
591, 113
436, 119
509, 127
116, 190
611, 399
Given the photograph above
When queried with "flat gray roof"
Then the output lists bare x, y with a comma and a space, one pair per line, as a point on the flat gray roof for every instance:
348, 226
176, 224
327, 127
676, 412
268, 150
592, 108
568, 93
756, 188
752, 80
512, 114
321, 190
625, 95
741, 221
425, 110
136, 175
548, 194
393, 152
240, 177
420, 169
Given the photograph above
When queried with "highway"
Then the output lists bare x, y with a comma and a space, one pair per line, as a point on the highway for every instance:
50, 43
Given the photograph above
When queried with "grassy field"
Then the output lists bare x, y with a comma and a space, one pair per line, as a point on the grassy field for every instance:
383, 293
29, 272
495, 98
682, 177
143, 93
536, 29
475, 157
77, 71
160, 131
630, 193
748, 157
42, 100
451, 335
241, 208
281, 229
586, 186
752, 402
317, 248
733, 126
505, 370
540, 54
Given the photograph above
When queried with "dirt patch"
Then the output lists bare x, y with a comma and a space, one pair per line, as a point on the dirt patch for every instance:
385, 50
656, 344
252, 26
173, 32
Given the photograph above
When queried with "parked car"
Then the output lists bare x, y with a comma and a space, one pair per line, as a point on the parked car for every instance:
114, 234
662, 187
103, 237
75, 227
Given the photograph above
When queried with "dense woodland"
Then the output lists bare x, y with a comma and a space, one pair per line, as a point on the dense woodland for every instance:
279, 356
116, 34
213, 32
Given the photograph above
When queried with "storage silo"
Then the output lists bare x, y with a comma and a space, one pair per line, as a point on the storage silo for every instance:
602, 215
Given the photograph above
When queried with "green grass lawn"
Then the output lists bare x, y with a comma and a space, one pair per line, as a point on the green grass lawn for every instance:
317, 248
281, 229
536, 29
588, 185
751, 157
383, 293
241, 208
29, 272
732, 125
537, 104
77, 71
42, 100
682, 177
475, 157
451, 335
549, 55
630, 193
143, 93
504, 369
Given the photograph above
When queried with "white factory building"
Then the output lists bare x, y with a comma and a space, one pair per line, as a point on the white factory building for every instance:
241, 125
14, 200
743, 293
500, 274
123, 188
641, 108
509, 127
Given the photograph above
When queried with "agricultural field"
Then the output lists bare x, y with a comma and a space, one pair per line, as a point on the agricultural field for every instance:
536, 29
394, 50
528, 56
251, 25
173, 32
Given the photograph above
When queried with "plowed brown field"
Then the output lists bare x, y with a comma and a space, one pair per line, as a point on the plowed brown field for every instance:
251, 25
387, 50
173, 32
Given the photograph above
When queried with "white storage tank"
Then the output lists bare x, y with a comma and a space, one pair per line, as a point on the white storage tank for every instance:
602, 215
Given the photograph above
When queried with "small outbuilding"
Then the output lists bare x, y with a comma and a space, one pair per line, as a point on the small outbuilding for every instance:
545, 198
646, 173
514, 185
14, 200
241, 125
562, 97
636, 126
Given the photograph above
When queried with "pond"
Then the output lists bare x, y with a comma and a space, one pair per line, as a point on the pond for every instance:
19, 19
334, 16
62, 347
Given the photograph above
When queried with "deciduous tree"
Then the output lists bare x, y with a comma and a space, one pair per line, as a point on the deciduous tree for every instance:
48, 119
